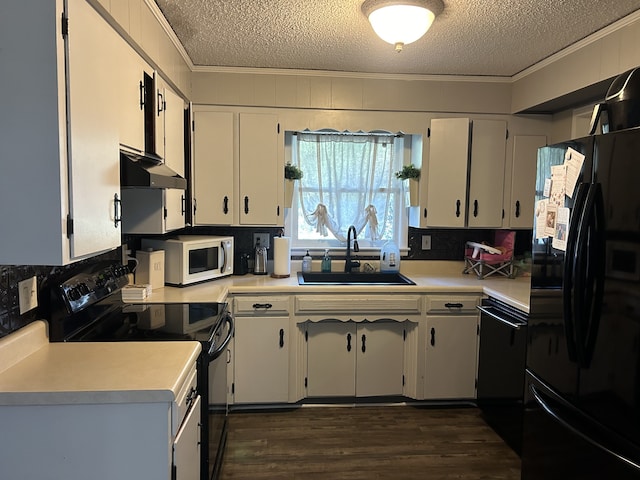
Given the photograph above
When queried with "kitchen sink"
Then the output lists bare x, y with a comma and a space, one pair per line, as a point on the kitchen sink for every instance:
353, 278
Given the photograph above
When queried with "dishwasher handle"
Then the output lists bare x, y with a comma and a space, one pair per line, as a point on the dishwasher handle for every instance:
515, 324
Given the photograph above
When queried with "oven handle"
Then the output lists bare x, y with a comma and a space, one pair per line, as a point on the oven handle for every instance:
216, 352
515, 325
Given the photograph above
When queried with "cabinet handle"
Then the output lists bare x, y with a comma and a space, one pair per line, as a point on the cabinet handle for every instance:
424, 214
266, 306
517, 208
195, 205
281, 337
278, 211
142, 95
475, 208
161, 104
225, 203
457, 208
117, 210
453, 305
184, 205
348, 342
246, 205
433, 337
364, 343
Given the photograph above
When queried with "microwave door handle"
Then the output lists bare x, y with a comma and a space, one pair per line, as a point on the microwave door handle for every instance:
224, 257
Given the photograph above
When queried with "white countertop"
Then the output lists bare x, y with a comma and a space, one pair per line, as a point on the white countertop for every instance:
429, 276
41, 373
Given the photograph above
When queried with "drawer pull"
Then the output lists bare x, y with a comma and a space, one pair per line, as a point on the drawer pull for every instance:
266, 306
453, 305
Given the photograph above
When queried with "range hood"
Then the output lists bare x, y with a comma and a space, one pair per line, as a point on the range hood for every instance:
147, 171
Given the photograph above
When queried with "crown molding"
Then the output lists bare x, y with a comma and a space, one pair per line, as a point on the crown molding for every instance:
594, 37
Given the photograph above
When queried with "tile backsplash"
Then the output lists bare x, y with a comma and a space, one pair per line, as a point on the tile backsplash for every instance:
10, 275
446, 244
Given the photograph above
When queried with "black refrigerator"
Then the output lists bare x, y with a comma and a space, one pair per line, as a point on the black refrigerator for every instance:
582, 394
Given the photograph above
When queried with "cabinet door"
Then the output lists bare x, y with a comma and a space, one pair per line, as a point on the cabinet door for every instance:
186, 446
174, 209
261, 174
331, 359
451, 357
159, 114
174, 138
174, 141
486, 183
523, 180
213, 140
380, 359
131, 96
447, 172
261, 362
94, 162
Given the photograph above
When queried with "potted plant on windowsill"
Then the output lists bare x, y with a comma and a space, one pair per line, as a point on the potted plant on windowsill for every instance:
411, 173
291, 173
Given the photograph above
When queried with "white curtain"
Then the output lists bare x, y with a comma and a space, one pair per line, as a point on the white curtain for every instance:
347, 181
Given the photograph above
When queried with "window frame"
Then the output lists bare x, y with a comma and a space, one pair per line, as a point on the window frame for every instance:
367, 247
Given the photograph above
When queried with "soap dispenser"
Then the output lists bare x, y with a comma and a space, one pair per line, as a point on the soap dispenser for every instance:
325, 266
306, 262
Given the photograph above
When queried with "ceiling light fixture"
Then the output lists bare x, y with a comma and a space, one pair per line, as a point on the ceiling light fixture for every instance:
400, 22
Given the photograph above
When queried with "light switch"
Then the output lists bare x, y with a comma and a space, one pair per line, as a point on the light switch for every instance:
28, 294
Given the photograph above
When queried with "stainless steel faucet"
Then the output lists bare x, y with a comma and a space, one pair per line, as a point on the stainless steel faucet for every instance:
349, 264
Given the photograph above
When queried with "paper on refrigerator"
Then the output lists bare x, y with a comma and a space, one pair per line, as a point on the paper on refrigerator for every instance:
561, 229
573, 161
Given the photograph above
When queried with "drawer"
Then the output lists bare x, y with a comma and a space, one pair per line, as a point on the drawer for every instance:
453, 304
186, 395
261, 305
375, 304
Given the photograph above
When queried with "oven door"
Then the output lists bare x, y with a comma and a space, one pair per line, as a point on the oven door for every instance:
219, 357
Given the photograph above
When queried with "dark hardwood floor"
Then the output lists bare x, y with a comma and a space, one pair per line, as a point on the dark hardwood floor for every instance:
366, 442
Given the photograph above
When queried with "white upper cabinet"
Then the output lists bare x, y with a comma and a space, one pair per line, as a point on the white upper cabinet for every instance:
447, 172
155, 210
213, 145
261, 171
60, 186
131, 96
465, 174
238, 168
486, 181
519, 210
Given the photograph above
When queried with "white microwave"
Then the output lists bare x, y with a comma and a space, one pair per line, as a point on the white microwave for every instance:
191, 259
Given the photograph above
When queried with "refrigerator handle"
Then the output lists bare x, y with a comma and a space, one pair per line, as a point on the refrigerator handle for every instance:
568, 290
554, 409
583, 299
595, 288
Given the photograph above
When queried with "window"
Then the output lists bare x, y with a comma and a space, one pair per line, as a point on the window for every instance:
348, 180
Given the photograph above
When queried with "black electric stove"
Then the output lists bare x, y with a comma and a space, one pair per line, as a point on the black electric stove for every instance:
86, 306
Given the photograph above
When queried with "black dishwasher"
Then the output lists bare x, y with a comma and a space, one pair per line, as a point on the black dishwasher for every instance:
501, 369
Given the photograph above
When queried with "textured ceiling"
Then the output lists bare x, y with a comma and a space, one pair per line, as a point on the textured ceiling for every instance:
470, 37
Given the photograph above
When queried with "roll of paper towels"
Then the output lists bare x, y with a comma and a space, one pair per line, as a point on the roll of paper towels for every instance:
282, 256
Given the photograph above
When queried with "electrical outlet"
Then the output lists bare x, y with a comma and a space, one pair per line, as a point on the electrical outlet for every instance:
263, 237
426, 242
28, 294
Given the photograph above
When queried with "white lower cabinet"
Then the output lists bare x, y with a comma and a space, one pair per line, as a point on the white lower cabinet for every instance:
355, 359
261, 349
451, 331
